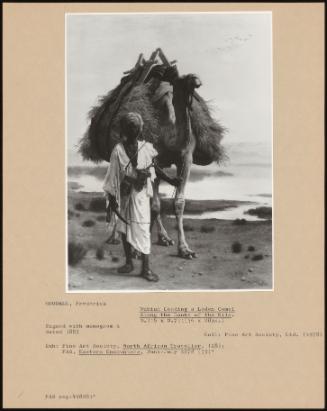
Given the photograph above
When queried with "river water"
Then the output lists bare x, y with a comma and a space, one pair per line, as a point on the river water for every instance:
251, 183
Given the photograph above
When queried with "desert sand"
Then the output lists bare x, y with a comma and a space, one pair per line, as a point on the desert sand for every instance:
217, 266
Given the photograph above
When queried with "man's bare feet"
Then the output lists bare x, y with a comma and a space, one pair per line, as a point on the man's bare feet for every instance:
125, 269
149, 275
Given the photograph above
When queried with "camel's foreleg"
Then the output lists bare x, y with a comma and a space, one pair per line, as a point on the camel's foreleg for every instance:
163, 237
183, 172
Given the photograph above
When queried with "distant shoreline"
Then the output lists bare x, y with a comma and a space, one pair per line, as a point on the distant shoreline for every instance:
99, 172
167, 204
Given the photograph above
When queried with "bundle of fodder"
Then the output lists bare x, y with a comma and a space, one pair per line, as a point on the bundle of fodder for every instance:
208, 133
103, 132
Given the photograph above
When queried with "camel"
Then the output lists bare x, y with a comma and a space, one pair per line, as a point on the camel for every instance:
176, 120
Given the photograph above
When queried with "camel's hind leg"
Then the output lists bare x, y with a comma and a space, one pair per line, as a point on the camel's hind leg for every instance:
183, 172
163, 237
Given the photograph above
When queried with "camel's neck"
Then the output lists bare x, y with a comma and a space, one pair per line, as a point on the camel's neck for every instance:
182, 96
181, 100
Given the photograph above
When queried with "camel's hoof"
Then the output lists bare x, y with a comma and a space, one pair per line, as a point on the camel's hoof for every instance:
165, 240
187, 253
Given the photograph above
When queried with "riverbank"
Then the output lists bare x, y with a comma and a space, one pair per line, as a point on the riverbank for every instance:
231, 254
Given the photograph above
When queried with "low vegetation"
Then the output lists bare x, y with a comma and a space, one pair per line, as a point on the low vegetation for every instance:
188, 227
99, 253
76, 253
88, 223
70, 214
257, 257
236, 247
207, 229
80, 207
240, 221
261, 212
97, 205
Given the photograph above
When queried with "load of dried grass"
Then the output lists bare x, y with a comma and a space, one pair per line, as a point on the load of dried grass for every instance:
103, 132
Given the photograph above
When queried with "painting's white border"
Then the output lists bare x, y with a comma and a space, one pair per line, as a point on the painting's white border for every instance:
272, 166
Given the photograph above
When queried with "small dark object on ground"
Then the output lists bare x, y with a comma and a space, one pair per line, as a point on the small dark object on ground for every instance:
76, 253
236, 247
246, 256
188, 227
77, 214
70, 214
115, 259
240, 221
257, 257
80, 207
97, 205
101, 218
99, 253
260, 212
207, 229
251, 248
88, 223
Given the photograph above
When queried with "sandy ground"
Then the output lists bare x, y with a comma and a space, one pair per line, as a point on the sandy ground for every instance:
217, 267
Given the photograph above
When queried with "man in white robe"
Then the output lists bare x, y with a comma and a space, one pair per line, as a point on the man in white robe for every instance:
128, 186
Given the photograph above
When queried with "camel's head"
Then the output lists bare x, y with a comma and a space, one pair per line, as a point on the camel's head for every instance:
171, 74
191, 82
185, 84
188, 84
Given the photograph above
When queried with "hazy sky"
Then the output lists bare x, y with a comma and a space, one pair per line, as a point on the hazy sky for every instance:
231, 53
